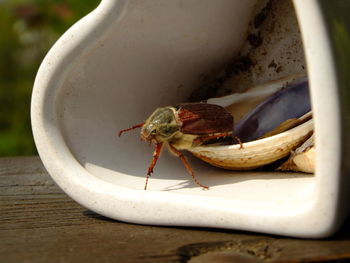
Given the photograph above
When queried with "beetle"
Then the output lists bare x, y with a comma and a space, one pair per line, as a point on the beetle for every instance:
183, 126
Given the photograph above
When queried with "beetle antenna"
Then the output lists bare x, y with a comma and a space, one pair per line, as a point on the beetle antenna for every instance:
156, 155
129, 129
187, 165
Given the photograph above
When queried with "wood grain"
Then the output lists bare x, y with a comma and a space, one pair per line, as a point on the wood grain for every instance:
39, 223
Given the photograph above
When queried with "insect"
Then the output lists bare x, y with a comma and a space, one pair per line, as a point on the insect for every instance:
184, 126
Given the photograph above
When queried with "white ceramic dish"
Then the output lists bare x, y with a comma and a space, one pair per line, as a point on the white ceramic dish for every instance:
116, 65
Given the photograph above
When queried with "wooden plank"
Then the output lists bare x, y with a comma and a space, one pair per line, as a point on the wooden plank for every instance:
39, 223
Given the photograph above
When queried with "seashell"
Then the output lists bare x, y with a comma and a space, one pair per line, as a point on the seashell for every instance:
278, 142
285, 104
302, 159
256, 153
305, 161
239, 104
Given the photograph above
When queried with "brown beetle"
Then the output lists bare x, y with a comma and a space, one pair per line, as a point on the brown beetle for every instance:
184, 126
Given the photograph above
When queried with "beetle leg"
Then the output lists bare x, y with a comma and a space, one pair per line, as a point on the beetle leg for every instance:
156, 155
129, 129
187, 165
238, 140
202, 139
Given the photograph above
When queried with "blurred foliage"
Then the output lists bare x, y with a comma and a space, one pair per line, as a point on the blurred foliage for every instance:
28, 30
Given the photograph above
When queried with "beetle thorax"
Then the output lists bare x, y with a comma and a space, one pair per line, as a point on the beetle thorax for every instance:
161, 126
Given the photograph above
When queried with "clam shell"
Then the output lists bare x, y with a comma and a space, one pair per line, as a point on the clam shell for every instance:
255, 153
239, 104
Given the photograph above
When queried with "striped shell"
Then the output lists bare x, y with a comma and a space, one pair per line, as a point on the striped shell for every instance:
256, 153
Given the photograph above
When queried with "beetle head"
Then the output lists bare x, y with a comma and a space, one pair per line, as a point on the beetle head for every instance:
161, 126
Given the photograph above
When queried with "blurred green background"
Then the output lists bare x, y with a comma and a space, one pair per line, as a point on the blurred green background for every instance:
28, 30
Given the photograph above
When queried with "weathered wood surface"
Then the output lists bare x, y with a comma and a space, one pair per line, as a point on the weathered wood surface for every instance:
39, 223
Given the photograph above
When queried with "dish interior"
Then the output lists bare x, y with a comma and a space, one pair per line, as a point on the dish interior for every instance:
150, 59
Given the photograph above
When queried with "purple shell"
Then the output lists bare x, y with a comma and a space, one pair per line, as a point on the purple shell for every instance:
290, 102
